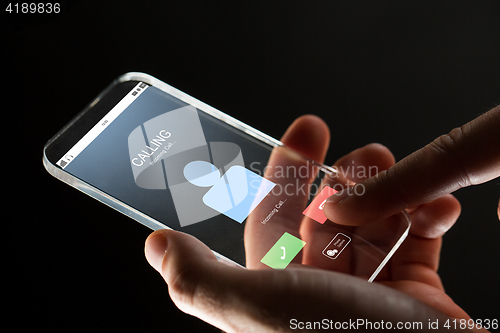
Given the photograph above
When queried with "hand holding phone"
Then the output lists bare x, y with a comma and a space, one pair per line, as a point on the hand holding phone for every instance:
273, 300
168, 160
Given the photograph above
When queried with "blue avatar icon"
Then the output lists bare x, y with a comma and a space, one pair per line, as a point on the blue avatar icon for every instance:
234, 194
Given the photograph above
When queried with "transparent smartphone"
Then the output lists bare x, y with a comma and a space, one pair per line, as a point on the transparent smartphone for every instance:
168, 160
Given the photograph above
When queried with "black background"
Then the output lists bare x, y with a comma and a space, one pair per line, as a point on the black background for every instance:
398, 73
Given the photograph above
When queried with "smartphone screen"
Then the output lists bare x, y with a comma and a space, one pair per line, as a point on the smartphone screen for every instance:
183, 166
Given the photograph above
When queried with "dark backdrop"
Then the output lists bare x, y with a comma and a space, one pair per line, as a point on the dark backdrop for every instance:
398, 73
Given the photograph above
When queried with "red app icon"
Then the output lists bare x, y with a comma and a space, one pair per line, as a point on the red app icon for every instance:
315, 208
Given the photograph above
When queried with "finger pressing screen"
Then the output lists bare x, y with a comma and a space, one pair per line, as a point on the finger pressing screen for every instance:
468, 155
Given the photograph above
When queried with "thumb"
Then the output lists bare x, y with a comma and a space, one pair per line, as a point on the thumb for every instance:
236, 299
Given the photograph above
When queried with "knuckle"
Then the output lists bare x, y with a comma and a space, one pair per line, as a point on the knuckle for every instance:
450, 143
452, 146
181, 287
190, 289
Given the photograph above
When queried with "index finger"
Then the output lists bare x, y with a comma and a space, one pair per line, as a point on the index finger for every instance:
468, 155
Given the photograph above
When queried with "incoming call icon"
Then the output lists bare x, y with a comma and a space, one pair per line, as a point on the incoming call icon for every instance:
283, 251
205, 179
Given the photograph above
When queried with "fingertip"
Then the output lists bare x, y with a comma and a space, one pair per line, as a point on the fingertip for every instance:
308, 135
309, 121
336, 210
382, 155
180, 248
365, 162
155, 248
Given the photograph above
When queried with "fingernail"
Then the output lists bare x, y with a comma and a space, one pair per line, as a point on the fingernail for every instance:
338, 197
156, 246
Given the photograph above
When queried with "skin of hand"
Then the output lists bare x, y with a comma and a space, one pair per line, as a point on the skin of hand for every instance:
468, 155
237, 300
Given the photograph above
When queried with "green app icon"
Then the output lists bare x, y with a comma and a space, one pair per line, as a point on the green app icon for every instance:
283, 252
